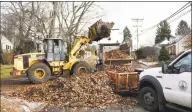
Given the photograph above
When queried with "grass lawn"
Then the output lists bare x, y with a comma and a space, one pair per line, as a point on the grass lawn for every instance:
5, 70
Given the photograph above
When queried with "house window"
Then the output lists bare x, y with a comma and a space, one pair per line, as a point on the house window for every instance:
8, 48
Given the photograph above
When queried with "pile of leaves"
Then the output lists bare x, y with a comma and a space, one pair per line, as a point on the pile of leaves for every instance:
119, 68
116, 54
85, 90
123, 67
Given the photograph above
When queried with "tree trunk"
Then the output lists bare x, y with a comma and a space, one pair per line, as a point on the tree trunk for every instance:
1, 52
52, 26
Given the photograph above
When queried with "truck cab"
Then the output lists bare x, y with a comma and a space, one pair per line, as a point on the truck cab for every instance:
167, 86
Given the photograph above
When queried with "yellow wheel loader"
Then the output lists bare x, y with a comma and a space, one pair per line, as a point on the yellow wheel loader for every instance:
55, 60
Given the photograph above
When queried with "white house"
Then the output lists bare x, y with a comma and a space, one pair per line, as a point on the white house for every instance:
6, 45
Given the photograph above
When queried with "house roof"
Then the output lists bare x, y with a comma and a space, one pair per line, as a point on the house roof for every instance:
5, 40
177, 40
164, 42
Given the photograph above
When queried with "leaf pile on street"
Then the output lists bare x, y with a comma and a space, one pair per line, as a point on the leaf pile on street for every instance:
116, 54
85, 90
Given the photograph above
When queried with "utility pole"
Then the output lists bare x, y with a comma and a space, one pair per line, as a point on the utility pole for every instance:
137, 20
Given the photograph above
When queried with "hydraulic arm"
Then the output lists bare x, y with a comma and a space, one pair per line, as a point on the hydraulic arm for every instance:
82, 41
97, 31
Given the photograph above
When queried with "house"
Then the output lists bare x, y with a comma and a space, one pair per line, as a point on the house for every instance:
178, 45
166, 43
6, 45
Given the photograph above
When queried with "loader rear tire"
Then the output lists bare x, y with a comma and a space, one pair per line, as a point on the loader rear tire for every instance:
39, 73
80, 67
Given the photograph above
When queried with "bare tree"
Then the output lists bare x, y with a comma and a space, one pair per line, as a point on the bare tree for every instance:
1, 52
21, 22
61, 19
73, 17
21, 17
53, 17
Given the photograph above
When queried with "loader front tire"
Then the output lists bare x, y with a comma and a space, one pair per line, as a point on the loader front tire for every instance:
80, 67
39, 73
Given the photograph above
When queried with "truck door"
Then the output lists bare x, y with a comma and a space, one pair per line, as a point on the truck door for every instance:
177, 82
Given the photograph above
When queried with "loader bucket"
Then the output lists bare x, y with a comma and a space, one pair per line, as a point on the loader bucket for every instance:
100, 30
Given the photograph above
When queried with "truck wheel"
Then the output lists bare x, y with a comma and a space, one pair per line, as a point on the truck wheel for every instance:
81, 67
148, 99
39, 73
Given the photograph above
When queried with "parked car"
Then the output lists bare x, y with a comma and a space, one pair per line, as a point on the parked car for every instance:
168, 86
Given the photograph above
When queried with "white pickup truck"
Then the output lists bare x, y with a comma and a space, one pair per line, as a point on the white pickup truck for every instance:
168, 86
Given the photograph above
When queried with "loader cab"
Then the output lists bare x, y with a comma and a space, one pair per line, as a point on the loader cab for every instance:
55, 49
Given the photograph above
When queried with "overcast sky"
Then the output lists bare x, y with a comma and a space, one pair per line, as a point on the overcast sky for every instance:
122, 13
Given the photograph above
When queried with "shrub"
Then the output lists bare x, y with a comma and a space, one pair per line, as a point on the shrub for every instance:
146, 52
164, 54
139, 54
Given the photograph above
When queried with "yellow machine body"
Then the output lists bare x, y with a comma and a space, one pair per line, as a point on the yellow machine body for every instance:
56, 66
97, 31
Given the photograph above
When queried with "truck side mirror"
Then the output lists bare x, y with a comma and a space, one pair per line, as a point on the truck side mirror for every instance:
164, 67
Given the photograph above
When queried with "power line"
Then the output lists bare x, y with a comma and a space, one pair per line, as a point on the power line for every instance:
183, 14
180, 16
171, 16
169, 22
167, 18
134, 33
184, 7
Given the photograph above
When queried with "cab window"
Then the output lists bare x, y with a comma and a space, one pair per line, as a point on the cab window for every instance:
184, 61
56, 46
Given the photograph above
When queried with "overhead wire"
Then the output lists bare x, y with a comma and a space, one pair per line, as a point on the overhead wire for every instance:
148, 29
180, 16
180, 10
171, 16
134, 33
